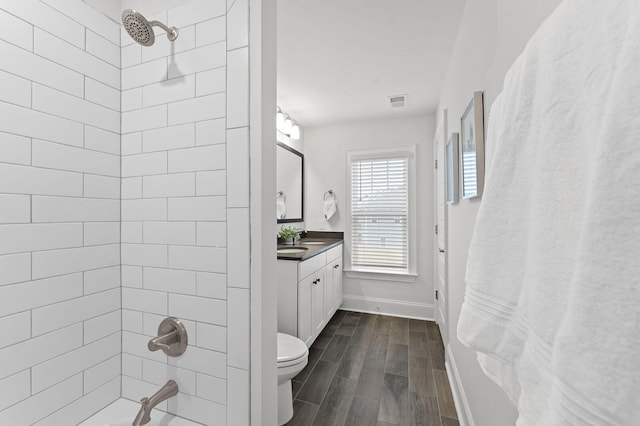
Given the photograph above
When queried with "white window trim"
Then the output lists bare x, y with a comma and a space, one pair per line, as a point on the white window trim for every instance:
408, 152
381, 276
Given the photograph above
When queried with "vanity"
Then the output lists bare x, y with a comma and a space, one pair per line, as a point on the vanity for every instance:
309, 271
309, 285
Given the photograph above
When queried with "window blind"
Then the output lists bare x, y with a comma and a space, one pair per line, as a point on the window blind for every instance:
469, 177
379, 214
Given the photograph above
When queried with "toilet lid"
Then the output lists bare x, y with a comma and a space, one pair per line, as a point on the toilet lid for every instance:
290, 348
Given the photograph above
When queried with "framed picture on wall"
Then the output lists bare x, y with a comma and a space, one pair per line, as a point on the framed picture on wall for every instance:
451, 168
472, 148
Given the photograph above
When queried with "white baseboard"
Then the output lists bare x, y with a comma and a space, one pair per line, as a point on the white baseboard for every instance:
397, 308
459, 398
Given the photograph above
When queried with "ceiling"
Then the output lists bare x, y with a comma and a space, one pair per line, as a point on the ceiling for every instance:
114, 8
338, 61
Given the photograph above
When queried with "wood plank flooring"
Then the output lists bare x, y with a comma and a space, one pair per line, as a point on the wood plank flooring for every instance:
374, 370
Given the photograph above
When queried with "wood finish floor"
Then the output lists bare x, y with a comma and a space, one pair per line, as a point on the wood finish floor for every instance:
374, 370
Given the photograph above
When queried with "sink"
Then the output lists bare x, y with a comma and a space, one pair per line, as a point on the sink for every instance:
292, 250
312, 242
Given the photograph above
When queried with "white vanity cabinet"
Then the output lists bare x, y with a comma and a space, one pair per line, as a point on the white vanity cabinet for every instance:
311, 315
333, 281
309, 293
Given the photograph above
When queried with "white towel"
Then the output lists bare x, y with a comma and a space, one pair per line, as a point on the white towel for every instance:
329, 208
281, 205
553, 275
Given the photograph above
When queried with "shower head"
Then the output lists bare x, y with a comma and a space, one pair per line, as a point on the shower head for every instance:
141, 30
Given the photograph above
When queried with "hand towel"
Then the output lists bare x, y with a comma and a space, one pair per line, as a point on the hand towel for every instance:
552, 303
330, 204
329, 208
281, 205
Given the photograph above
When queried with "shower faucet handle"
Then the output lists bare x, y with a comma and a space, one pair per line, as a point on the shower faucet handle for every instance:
163, 342
172, 338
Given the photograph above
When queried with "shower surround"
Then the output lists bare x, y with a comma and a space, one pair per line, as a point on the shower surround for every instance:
122, 171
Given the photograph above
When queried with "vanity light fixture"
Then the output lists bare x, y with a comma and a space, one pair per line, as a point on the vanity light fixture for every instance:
295, 132
287, 125
279, 119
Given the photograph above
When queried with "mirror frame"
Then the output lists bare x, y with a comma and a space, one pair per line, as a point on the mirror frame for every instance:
301, 155
473, 119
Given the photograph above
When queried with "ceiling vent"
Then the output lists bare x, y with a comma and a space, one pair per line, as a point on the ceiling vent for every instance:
398, 101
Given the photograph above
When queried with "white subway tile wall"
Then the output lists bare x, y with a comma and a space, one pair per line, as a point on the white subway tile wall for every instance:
184, 158
124, 198
60, 303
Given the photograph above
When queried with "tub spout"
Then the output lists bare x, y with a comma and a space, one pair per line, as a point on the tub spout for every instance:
144, 415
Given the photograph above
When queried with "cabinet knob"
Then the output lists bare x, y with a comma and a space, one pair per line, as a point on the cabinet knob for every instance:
336, 266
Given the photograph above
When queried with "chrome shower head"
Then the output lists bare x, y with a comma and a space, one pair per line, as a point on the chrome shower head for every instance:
141, 30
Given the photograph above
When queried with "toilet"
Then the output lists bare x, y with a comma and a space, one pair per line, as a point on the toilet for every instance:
292, 358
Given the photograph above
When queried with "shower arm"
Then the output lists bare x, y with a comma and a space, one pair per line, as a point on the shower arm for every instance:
172, 32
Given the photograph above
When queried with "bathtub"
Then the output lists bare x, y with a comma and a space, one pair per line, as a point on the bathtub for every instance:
122, 412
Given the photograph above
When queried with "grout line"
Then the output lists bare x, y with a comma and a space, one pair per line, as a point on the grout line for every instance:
246, 46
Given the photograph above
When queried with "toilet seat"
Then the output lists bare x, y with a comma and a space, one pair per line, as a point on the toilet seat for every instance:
291, 350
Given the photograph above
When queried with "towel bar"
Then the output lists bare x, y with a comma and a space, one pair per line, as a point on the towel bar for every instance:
329, 193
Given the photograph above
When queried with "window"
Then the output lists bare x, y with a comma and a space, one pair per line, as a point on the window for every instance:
379, 212
469, 174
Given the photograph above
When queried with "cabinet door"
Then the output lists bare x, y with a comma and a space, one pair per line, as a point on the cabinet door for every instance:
317, 300
306, 289
336, 269
329, 293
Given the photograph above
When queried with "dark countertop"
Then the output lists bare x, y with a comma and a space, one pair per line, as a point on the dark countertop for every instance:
312, 249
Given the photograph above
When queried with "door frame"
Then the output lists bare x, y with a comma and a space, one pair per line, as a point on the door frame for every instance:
262, 146
441, 306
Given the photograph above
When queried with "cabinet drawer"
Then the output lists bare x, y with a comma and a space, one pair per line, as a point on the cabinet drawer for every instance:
334, 252
310, 266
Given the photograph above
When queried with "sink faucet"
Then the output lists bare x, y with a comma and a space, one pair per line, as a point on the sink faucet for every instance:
144, 415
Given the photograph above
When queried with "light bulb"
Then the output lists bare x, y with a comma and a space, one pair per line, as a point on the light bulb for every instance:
279, 119
288, 124
295, 132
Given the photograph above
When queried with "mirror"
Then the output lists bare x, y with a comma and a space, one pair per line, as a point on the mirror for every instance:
289, 181
472, 147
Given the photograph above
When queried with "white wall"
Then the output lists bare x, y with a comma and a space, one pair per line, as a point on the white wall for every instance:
326, 168
491, 35
184, 149
185, 210
59, 212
